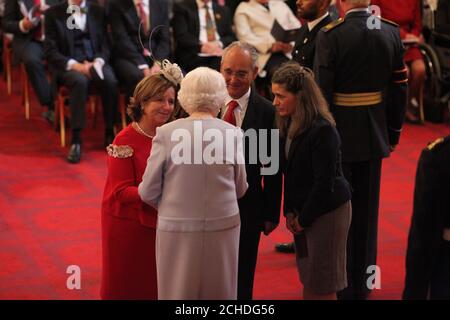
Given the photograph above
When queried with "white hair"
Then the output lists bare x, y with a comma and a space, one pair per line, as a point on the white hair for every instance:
202, 89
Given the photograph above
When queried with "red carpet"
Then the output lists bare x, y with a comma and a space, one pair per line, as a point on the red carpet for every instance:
50, 213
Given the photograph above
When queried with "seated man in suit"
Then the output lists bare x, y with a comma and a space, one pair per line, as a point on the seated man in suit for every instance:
201, 29
27, 46
131, 61
77, 50
254, 21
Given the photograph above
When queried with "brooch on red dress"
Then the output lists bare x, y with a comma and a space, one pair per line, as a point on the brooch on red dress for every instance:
119, 151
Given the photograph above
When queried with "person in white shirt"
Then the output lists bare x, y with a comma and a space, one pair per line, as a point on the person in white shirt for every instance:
201, 29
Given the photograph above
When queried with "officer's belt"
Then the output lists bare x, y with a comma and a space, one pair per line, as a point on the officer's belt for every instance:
357, 99
446, 234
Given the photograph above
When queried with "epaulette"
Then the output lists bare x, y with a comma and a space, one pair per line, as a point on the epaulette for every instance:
389, 22
333, 24
435, 143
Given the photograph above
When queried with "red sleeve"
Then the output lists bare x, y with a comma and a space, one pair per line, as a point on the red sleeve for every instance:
122, 180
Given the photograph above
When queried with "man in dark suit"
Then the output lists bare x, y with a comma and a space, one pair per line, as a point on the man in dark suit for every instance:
131, 61
316, 16
359, 67
200, 42
260, 207
77, 50
428, 254
27, 46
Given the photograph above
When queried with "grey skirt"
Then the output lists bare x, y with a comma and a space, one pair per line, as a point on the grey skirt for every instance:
323, 269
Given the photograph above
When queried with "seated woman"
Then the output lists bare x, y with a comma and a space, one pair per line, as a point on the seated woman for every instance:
316, 195
254, 20
407, 14
128, 224
197, 237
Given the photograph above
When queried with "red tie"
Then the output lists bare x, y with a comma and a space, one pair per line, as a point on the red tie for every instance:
229, 115
143, 17
210, 29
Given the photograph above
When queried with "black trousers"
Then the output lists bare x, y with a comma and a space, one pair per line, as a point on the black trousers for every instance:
364, 178
440, 279
248, 253
79, 85
32, 57
128, 75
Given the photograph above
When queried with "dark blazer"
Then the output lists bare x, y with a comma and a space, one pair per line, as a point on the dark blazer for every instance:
313, 180
260, 204
10, 24
351, 58
186, 29
431, 214
125, 21
59, 41
305, 44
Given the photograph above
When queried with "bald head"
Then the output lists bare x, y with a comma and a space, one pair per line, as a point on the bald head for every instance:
239, 68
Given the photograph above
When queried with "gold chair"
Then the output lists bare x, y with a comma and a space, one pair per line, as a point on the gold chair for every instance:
7, 52
60, 112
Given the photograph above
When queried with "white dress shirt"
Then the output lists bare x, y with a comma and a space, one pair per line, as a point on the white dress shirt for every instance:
314, 23
203, 38
80, 20
239, 112
146, 5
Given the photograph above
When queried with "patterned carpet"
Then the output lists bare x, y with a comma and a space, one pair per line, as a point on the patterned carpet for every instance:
50, 212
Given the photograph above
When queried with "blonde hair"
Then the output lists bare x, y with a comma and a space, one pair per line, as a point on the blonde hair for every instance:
311, 105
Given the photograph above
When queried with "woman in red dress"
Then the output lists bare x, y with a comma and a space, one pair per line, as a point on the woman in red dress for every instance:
407, 14
128, 224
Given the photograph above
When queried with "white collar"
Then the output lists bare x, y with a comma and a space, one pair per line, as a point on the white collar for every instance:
242, 101
315, 22
201, 4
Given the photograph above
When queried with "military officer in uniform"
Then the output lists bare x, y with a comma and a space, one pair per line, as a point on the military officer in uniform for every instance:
315, 13
428, 254
359, 66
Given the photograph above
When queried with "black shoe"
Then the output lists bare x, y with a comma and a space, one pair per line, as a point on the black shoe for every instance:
285, 247
49, 116
74, 155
